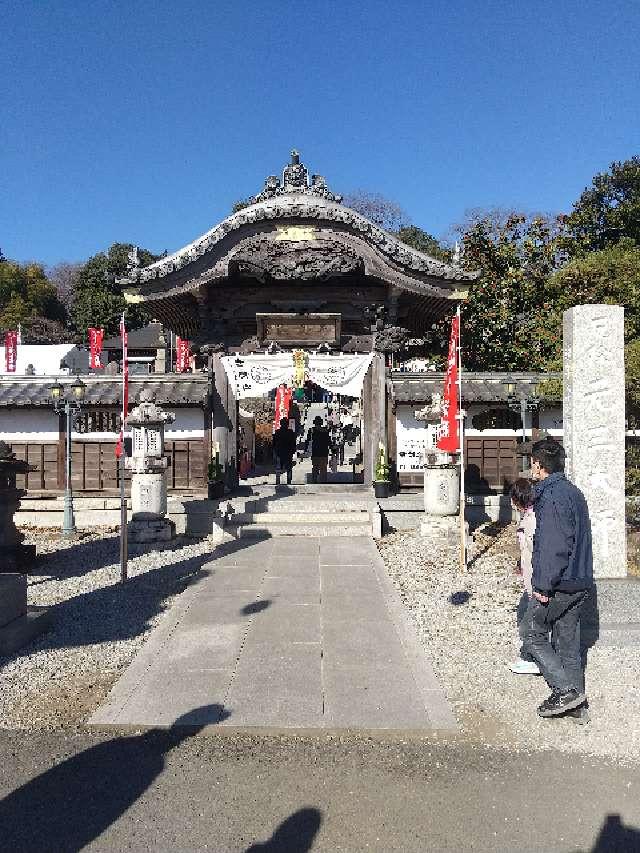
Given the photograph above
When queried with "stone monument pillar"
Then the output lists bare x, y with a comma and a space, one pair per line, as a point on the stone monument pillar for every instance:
148, 465
594, 426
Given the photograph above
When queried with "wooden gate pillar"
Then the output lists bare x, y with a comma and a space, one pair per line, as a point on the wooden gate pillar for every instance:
374, 399
224, 420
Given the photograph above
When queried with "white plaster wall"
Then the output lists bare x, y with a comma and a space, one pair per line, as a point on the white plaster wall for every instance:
550, 422
45, 359
189, 423
413, 437
28, 425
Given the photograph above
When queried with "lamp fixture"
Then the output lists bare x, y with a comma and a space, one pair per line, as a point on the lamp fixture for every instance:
56, 390
78, 389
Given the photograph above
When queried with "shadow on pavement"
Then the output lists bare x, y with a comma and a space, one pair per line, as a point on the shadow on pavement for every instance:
296, 833
256, 607
123, 611
615, 837
72, 803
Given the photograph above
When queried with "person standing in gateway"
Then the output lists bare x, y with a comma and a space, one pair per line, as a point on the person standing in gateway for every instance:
284, 446
320, 442
561, 581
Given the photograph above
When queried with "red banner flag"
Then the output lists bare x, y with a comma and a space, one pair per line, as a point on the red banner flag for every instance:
96, 336
449, 432
10, 351
125, 388
183, 355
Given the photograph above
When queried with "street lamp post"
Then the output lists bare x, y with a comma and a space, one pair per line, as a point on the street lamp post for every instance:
523, 405
69, 404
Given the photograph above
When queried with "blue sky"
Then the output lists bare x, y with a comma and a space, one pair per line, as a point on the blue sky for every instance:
144, 121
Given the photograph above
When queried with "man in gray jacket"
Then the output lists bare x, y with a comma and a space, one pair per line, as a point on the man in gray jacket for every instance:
561, 581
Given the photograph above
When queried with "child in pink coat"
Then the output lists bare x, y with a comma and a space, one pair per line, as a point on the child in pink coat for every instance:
522, 501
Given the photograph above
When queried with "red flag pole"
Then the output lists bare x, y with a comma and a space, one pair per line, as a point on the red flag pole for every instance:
463, 530
123, 497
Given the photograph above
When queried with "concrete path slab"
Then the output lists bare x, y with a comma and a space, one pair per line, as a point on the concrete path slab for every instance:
286, 634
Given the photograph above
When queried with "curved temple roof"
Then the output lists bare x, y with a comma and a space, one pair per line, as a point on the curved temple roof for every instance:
296, 201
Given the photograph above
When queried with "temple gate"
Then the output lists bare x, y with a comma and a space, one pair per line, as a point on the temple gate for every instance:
296, 268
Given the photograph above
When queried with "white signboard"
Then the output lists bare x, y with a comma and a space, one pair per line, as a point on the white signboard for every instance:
413, 439
256, 375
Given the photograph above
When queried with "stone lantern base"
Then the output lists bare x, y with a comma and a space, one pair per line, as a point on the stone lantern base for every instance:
145, 530
149, 506
441, 530
19, 624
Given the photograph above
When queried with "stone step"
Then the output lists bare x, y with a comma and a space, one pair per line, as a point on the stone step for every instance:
320, 529
297, 516
305, 507
327, 490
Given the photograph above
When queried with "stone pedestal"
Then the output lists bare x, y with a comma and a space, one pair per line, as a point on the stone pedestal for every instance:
594, 426
441, 490
19, 624
148, 475
441, 530
149, 508
14, 555
441, 524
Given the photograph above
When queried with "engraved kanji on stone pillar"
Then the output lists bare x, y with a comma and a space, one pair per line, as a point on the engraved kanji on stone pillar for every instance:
594, 425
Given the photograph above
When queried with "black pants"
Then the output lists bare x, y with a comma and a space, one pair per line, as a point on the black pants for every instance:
521, 612
561, 666
284, 464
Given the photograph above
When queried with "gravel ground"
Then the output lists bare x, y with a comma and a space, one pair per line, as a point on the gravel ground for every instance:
467, 625
99, 624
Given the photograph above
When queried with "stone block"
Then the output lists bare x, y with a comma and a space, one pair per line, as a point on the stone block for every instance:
442, 530
21, 631
149, 494
150, 530
594, 426
13, 597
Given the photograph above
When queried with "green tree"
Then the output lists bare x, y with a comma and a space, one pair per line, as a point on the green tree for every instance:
632, 371
504, 318
26, 296
610, 276
98, 300
608, 211
421, 240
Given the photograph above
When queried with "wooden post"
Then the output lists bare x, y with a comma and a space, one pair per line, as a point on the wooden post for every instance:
123, 522
220, 419
463, 531
375, 414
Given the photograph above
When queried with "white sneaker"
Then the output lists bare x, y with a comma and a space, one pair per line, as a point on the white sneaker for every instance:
524, 667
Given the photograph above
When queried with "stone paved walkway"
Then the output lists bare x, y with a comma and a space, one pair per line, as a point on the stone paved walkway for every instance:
284, 633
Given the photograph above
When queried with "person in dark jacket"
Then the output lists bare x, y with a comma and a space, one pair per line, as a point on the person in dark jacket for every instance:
284, 446
561, 580
320, 441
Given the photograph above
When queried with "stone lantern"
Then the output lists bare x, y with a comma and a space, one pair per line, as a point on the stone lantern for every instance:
148, 465
14, 555
441, 486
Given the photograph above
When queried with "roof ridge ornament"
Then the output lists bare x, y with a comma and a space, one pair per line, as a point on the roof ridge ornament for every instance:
295, 179
133, 263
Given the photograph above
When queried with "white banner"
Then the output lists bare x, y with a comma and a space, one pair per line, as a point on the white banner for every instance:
256, 375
